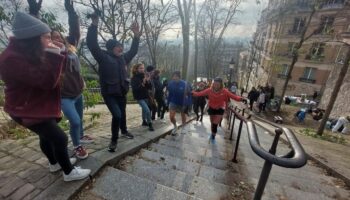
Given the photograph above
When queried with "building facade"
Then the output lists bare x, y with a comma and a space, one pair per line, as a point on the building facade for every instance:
278, 33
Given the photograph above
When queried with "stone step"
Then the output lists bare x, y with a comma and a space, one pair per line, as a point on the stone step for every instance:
193, 185
188, 153
194, 147
204, 136
116, 184
202, 142
224, 176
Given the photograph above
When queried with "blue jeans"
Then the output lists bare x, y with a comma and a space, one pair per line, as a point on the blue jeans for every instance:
116, 105
73, 110
146, 112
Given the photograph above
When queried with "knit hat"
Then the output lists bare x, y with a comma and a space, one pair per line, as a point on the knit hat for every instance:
110, 44
26, 26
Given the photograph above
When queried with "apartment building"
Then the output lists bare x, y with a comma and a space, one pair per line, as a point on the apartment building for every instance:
279, 31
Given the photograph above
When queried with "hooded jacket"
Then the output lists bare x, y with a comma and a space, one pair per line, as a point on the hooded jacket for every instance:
112, 69
31, 90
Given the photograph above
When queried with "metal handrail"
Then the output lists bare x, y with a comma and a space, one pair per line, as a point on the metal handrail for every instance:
294, 159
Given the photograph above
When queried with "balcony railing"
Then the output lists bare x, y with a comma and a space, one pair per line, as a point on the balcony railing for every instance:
307, 80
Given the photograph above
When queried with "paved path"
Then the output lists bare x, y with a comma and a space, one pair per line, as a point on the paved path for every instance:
187, 167
24, 170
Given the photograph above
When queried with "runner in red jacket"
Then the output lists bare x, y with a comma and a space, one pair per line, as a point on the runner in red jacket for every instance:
218, 97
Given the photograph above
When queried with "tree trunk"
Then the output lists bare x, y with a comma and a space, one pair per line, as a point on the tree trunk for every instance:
285, 85
335, 92
195, 43
186, 50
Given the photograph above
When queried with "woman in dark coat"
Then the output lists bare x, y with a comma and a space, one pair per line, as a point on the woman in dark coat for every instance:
140, 84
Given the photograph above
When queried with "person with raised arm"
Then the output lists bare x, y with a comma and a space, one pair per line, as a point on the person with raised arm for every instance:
31, 68
114, 80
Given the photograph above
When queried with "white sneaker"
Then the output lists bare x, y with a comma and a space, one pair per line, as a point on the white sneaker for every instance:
56, 167
76, 174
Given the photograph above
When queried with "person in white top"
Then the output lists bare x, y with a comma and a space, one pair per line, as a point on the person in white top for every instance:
342, 121
261, 100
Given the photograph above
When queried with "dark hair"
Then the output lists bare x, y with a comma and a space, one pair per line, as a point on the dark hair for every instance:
176, 73
156, 72
32, 49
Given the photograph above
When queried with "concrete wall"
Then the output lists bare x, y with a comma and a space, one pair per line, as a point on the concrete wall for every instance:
342, 104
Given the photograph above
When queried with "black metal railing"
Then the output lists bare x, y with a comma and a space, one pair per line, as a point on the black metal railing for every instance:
295, 158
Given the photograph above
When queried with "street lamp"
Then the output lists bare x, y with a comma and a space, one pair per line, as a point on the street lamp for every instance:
231, 66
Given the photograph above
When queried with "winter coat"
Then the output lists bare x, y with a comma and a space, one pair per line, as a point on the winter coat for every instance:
31, 90
253, 95
158, 86
112, 69
139, 90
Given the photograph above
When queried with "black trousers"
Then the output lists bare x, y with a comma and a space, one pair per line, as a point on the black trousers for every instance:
53, 143
116, 105
160, 107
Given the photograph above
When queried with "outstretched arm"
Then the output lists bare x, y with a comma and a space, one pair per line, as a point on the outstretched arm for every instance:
233, 96
91, 40
201, 93
73, 21
135, 43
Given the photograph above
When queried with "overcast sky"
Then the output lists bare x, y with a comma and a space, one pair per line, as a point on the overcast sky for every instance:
247, 19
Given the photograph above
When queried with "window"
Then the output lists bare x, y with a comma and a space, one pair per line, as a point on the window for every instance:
291, 48
341, 55
284, 70
317, 52
326, 25
309, 75
298, 26
333, 4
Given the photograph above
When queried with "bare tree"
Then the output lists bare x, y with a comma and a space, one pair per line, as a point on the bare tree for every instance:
156, 18
345, 38
214, 21
185, 9
7, 10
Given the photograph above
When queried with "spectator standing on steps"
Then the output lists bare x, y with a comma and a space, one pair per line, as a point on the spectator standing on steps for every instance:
72, 84
253, 96
141, 83
217, 98
113, 76
31, 68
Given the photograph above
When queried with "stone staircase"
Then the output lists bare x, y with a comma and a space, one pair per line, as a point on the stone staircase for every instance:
186, 166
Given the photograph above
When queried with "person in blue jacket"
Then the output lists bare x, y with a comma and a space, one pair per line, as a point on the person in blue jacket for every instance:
179, 95
114, 80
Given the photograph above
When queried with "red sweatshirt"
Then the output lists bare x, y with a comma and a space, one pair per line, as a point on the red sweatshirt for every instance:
31, 90
217, 99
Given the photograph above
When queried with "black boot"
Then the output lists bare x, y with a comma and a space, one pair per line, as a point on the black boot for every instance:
150, 127
144, 123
